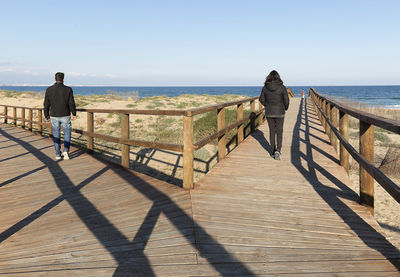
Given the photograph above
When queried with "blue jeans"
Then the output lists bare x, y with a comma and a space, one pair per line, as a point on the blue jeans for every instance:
65, 121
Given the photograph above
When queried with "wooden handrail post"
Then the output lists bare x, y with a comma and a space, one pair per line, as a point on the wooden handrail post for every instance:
344, 131
90, 129
5, 114
15, 116
222, 138
23, 117
51, 129
335, 122
322, 116
30, 118
188, 152
320, 106
327, 126
125, 159
241, 126
40, 121
260, 117
252, 118
366, 180
316, 103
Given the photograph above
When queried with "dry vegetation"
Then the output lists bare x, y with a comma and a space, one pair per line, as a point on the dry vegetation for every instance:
165, 165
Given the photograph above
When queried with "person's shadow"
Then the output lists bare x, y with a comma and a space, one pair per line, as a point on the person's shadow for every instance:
260, 137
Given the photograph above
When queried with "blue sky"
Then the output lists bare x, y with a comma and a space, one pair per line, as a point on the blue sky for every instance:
173, 43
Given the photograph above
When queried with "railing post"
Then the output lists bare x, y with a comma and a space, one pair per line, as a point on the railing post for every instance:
125, 134
222, 138
320, 105
51, 129
15, 116
90, 129
334, 119
366, 180
188, 152
241, 126
323, 121
252, 118
260, 117
30, 118
40, 121
316, 104
23, 117
344, 131
328, 116
5, 114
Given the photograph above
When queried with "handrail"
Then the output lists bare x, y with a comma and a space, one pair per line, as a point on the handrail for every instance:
188, 147
326, 107
201, 110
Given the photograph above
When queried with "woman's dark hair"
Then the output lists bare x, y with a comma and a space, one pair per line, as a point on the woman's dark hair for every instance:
273, 76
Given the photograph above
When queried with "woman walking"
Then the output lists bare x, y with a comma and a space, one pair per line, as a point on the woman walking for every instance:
275, 99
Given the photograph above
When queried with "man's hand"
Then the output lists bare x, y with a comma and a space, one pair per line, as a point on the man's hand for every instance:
73, 117
47, 119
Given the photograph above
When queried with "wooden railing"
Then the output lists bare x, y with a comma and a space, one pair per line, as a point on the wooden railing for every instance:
335, 120
188, 147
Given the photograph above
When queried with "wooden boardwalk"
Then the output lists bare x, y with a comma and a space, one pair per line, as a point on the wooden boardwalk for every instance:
249, 216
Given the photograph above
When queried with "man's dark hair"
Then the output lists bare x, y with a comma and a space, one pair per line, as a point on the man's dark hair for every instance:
273, 77
59, 76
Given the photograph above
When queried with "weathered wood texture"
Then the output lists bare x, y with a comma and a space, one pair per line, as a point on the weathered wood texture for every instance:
249, 216
365, 157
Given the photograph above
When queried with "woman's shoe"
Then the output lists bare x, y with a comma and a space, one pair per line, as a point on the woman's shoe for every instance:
277, 155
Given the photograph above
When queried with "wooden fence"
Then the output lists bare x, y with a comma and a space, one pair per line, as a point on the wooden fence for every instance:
188, 147
334, 118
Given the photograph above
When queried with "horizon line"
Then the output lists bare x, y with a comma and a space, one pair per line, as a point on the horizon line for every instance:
80, 85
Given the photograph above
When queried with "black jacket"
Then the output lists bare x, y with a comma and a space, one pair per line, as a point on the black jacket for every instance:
275, 98
59, 99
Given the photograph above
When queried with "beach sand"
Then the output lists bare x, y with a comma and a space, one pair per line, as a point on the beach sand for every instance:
167, 165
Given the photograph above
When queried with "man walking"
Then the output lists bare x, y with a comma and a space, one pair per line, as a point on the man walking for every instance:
59, 103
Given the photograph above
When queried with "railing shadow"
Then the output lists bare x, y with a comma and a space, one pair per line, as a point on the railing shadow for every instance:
363, 230
23, 154
389, 227
129, 254
144, 156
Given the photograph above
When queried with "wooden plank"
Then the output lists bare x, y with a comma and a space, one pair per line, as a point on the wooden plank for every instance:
238, 220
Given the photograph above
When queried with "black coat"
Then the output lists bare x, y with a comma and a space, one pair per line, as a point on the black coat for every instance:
59, 101
275, 99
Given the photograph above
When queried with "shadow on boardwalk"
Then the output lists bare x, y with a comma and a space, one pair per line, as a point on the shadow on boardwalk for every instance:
364, 231
129, 253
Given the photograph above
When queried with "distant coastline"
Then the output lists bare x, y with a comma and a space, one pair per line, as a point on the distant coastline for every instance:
386, 96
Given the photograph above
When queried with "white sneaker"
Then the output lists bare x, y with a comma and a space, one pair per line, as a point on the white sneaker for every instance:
277, 155
65, 155
58, 157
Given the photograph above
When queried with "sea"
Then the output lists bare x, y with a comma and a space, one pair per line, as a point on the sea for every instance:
386, 96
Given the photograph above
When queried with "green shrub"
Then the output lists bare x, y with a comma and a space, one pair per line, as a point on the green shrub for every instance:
182, 105
154, 105
382, 137
202, 154
206, 125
